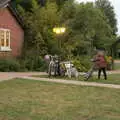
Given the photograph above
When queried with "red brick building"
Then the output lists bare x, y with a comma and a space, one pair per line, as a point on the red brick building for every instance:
11, 31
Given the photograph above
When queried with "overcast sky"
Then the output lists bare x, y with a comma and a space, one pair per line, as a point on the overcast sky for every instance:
116, 4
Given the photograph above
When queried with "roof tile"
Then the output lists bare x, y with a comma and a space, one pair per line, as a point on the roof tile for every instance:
4, 3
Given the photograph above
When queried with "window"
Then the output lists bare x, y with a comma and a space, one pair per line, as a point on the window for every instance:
5, 40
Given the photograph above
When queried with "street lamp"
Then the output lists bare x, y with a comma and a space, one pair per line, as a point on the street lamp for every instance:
59, 31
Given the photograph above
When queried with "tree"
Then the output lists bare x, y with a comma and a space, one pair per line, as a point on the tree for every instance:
39, 22
91, 28
106, 7
67, 14
86, 27
58, 2
27, 4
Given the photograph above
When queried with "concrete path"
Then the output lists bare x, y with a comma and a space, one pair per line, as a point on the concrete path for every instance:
12, 75
73, 82
27, 75
116, 61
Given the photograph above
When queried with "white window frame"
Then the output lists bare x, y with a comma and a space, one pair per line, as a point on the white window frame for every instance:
5, 47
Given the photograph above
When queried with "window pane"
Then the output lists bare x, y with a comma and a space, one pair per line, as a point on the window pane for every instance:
2, 38
2, 31
7, 33
7, 42
7, 38
2, 42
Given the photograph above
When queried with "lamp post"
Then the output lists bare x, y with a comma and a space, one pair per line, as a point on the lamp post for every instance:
59, 31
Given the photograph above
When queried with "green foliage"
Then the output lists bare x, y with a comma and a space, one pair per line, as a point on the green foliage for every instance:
26, 4
7, 65
82, 64
23, 99
92, 24
30, 63
108, 59
87, 27
38, 34
35, 63
58, 2
106, 7
91, 28
67, 13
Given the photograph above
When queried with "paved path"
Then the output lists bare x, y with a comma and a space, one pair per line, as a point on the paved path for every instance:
27, 75
73, 82
116, 61
12, 75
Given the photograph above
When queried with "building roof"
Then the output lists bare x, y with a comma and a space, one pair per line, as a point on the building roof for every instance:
16, 15
4, 3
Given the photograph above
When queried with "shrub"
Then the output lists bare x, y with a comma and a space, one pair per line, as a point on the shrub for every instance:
82, 63
22, 65
7, 65
35, 63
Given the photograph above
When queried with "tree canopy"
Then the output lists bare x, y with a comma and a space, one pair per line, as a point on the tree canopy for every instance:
87, 26
106, 7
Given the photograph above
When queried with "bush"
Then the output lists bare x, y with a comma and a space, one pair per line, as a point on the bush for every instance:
7, 65
109, 61
82, 63
35, 63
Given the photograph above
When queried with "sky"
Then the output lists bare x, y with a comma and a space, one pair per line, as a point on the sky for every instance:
116, 4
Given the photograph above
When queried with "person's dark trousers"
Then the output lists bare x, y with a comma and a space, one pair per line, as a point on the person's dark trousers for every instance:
104, 72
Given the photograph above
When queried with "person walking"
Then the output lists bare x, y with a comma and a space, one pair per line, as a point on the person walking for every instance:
102, 65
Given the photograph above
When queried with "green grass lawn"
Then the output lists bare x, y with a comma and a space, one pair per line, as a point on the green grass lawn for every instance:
35, 100
112, 79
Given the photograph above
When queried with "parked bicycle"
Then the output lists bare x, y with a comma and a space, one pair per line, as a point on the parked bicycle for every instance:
54, 66
58, 68
71, 70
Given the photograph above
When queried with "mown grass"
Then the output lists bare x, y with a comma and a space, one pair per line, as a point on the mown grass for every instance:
35, 100
111, 79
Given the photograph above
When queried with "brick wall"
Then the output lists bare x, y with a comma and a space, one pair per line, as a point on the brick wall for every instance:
5, 54
8, 21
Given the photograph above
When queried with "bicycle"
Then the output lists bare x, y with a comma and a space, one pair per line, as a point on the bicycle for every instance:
54, 66
71, 70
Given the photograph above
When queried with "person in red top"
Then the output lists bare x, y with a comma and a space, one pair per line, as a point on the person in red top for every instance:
101, 64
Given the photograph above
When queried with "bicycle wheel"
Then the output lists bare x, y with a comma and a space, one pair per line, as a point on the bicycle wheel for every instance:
50, 70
